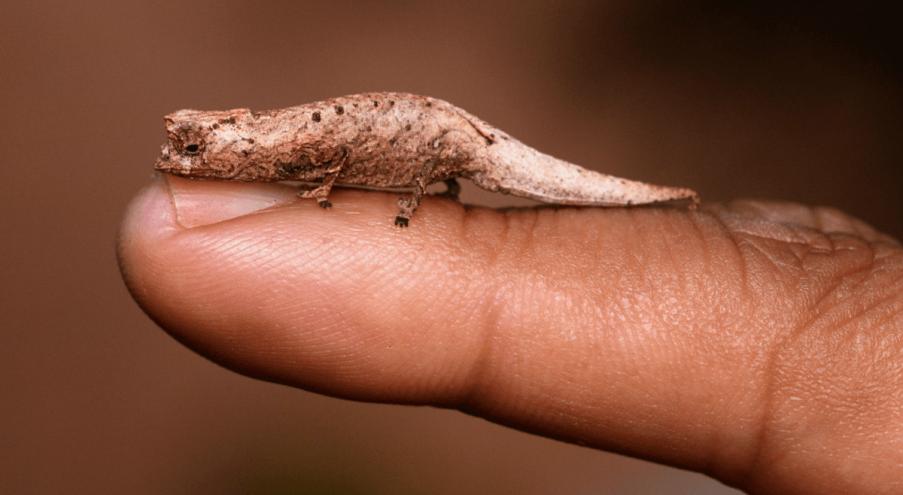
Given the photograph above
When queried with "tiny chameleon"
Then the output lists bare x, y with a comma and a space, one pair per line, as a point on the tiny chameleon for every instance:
383, 141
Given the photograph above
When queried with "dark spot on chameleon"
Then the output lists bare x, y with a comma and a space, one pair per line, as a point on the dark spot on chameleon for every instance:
375, 103
407, 127
392, 141
339, 110
231, 120
391, 103
250, 140
354, 105
315, 116
429, 103
215, 125
369, 128
245, 153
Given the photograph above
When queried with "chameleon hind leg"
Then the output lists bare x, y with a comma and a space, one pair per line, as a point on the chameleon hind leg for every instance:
321, 192
408, 204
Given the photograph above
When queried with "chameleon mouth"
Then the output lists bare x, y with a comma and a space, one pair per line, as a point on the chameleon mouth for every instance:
165, 164
174, 163
183, 168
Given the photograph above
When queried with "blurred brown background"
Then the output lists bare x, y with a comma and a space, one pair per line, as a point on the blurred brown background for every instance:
746, 99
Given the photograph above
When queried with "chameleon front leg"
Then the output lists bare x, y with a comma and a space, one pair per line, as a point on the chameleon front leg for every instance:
321, 192
410, 203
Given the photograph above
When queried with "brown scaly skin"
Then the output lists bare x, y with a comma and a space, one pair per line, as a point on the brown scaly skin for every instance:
384, 140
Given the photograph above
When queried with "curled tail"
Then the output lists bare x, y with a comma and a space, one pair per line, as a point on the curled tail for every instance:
523, 171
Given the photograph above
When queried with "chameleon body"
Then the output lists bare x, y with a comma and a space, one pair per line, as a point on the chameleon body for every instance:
384, 140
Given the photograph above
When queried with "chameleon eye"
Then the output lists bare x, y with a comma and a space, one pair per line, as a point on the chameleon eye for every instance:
192, 149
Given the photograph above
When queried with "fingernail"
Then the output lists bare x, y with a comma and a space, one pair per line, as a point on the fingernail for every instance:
204, 202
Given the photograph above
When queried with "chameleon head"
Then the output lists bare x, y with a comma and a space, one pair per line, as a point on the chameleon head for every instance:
204, 144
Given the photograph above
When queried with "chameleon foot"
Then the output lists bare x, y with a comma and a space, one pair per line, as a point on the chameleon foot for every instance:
324, 203
401, 221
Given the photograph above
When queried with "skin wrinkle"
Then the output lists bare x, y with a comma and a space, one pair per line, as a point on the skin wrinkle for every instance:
742, 262
811, 260
897, 312
830, 288
771, 229
780, 267
526, 243
498, 246
523, 328
474, 381
478, 379
800, 217
760, 446
464, 372
470, 399
693, 220
857, 313
760, 440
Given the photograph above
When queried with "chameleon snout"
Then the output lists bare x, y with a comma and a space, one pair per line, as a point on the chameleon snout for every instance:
172, 162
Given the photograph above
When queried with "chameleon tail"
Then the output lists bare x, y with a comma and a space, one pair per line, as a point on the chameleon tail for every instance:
522, 171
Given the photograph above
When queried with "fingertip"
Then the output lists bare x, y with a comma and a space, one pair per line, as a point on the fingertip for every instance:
276, 287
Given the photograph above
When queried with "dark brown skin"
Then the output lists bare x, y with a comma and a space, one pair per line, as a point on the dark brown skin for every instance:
760, 343
384, 140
